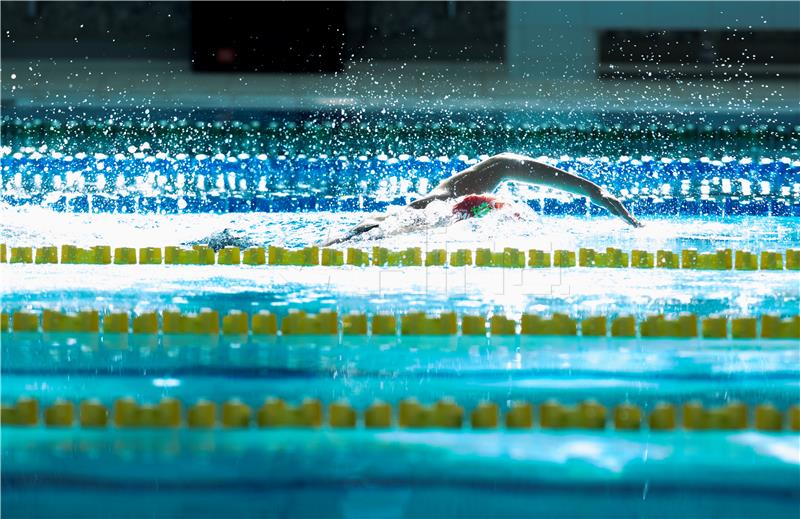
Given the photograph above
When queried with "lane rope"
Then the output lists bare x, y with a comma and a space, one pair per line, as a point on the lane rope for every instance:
611, 257
409, 413
329, 323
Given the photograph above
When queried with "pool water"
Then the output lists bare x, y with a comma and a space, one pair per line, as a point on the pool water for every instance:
434, 474
294, 185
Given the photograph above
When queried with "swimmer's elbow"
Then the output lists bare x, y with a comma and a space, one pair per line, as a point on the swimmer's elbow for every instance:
507, 158
507, 155
501, 167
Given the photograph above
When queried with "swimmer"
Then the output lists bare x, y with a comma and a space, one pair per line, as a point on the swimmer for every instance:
468, 189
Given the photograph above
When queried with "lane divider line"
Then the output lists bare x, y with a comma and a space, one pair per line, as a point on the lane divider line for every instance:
691, 259
330, 323
409, 413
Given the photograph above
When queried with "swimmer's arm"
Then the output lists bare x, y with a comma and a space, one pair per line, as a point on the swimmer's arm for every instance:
374, 221
487, 175
436, 194
366, 225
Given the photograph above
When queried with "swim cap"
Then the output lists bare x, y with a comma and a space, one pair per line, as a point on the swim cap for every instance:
476, 205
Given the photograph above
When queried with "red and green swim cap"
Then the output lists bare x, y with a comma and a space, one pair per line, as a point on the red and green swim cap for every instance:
476, 205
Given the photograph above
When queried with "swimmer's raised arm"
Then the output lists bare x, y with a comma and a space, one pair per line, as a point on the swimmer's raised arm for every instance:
485, 176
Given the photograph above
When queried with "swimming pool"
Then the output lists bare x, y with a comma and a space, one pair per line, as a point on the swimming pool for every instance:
556, 363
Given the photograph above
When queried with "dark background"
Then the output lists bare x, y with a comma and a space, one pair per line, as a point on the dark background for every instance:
318, 37
268, 37
264, 36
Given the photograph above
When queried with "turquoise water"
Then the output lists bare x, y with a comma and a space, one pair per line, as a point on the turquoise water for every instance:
397, 474
78, 472
578, 292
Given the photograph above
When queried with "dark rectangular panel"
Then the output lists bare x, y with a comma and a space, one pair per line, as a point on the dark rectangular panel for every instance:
267, 36
703, 53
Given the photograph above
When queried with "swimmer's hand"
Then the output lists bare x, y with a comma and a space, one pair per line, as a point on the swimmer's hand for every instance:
366, 225
615, 207
222, 239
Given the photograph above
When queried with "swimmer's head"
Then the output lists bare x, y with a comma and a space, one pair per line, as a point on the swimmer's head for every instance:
472, 206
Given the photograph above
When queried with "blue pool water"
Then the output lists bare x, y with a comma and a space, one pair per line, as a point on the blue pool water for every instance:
93, 184
434, 474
